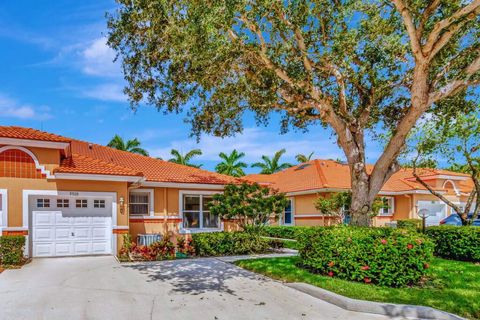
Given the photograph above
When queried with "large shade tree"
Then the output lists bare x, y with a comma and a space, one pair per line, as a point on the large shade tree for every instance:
352, 65
133, 145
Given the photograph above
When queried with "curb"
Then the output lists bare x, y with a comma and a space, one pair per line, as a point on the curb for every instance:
387, 309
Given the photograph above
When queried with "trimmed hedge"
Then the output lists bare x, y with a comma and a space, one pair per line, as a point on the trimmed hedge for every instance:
457, 243
284, 232
383, 256
409, 224
228, 243
11, 250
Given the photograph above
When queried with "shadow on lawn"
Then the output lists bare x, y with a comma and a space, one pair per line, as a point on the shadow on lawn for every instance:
194, 276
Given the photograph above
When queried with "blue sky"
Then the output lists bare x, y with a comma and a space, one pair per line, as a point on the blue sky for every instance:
58, 75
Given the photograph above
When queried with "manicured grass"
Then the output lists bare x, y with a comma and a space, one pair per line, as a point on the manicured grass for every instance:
453, 286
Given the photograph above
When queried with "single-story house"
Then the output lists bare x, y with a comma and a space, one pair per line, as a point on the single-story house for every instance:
403, 196
70, 197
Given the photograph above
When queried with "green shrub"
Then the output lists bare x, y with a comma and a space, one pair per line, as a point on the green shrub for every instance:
228, 243
383, 256
409, 224
11, 250
458, 243
285, 232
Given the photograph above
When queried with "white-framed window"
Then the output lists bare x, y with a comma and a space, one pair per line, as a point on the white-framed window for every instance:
81, 203
140, 202
99, 204
288, 213
63, 203
43, 203
196, 214
388, 206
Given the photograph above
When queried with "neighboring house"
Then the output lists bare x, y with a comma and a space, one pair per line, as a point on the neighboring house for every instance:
402, 194
71, 197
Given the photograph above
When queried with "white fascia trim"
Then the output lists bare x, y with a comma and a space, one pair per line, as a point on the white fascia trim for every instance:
26, 209
15, 229
4, 209
96, 177
34, 143
120, 227
34, 158
151, 200
184, 185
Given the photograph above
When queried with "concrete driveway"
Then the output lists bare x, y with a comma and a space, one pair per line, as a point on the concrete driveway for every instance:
100, 288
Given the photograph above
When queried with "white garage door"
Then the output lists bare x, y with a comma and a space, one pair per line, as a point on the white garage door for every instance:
69, 226
437, 211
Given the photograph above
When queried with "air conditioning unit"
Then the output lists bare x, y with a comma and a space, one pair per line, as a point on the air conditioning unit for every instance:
148, 239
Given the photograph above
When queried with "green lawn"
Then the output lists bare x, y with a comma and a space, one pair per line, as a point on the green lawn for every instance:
454, 286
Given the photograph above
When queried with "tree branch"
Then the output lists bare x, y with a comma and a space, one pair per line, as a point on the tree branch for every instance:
426, 14
456, 85
446, 23
411, 30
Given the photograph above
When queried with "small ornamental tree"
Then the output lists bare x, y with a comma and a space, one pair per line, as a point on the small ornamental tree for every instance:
452, 139
361, 68
250, 205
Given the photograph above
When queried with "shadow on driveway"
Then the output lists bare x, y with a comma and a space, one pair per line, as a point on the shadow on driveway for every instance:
194, 276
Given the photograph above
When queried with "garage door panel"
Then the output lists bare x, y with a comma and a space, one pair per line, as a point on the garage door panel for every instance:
82, 248
100, 247
82, 233
43, 249
63, 233
63, 248
73, 231
83, 220
61, 219
43, 218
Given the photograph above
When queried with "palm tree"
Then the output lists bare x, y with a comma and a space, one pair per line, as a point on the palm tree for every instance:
185, 158
132, 146
270, 166
231, 164
301, 158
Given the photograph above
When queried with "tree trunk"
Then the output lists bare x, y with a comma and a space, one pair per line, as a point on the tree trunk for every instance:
361, 204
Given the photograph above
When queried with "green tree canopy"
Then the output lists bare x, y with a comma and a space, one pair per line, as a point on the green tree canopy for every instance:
269, 166
251, 205
132, 146
355, 66
185, 159
231, 164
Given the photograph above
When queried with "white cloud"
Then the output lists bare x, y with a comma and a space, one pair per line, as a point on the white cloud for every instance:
105, 92
97, 59
11, 108
256, 142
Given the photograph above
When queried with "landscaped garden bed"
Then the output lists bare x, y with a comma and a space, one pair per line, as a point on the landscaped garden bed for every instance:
452, 286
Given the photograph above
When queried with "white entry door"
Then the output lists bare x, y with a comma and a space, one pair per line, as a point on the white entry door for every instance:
69, 226
437, 211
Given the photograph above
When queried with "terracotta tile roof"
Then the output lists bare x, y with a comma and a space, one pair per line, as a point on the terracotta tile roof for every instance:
328, 174
88, 158
30, 134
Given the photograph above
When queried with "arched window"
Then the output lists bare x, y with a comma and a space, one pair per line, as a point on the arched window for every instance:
16, 163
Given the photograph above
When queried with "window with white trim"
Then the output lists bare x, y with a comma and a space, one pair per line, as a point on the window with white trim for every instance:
63, 203
81, 203
388, 206
139, 203
288, 213
99, 204
43, 203
196, 214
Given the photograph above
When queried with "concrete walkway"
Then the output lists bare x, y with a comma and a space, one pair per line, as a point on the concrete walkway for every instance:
100, 288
